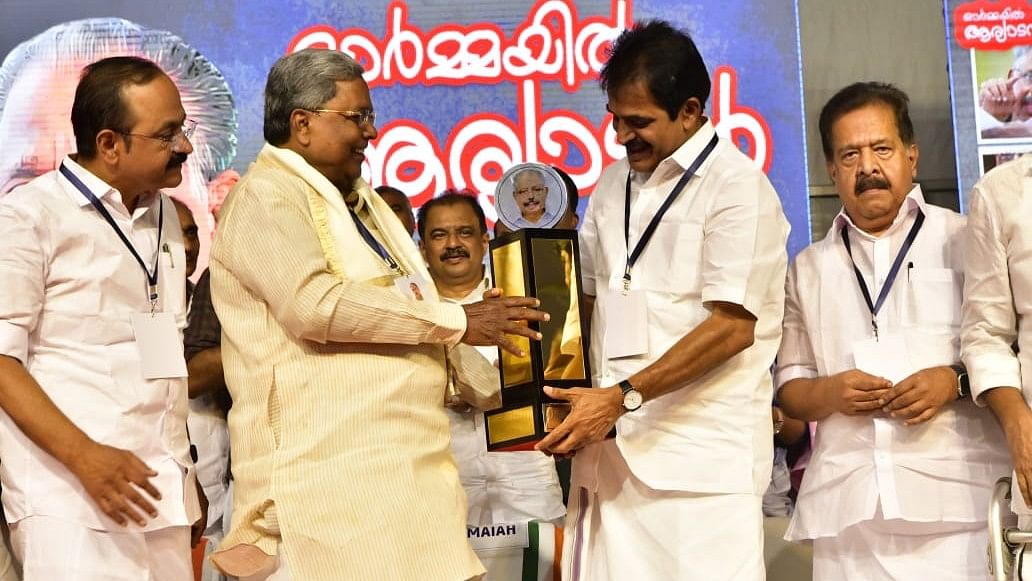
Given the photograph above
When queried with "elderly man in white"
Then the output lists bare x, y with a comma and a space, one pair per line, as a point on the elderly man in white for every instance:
903, 463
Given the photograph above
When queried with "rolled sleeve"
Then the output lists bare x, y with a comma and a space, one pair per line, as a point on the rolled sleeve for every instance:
744, 244
22, 266
989, 321
795, 358
588, 241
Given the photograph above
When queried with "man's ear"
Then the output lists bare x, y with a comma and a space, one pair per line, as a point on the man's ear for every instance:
110, 145
300, 126
690, 113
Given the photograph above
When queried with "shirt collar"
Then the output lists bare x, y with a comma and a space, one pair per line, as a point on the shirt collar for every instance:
683, 156
913, 202
97, 186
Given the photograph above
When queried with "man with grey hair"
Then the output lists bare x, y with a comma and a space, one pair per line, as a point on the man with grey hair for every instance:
530, 193
334, 351
1006, 103
37, 80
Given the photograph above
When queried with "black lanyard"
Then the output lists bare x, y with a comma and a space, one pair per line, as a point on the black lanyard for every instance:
374, 243
152, 277
646, 235
874, 307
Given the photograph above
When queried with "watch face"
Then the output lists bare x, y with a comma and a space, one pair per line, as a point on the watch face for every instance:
632, 400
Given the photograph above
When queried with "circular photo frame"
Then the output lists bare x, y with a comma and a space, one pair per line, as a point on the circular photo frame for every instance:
530, 195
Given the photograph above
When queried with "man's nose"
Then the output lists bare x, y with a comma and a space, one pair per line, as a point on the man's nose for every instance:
623, 133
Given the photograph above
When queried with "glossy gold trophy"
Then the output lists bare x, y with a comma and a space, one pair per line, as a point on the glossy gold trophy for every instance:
536, 260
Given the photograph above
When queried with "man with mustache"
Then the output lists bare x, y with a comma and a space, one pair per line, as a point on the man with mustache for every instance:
904, 461
98, 482
683, 254
1006, 104
334, 351
501, 487
531, 196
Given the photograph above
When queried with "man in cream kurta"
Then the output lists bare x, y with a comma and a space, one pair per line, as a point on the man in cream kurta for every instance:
334, 353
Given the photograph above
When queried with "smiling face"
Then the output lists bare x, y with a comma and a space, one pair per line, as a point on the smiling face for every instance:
530, 193
645, 129
871, 167
454, 246
333, 144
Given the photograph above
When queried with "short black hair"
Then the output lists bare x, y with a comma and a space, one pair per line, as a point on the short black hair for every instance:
572, 192
99, 102
448, 198
664, 58
859, 95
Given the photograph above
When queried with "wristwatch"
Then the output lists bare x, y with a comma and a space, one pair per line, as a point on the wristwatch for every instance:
631, 397
963, 384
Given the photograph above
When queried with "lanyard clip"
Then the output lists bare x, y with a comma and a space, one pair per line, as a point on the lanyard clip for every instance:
874, 325
153, 297
627, 280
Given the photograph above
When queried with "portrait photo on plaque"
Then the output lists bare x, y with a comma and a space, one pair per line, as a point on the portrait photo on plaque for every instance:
530, 195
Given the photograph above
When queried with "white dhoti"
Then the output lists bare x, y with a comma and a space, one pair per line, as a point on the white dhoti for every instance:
895, 550
52, 549
626, 530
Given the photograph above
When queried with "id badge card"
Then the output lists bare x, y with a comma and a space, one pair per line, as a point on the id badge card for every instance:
885, 357
159, 345
627, 320
412, 286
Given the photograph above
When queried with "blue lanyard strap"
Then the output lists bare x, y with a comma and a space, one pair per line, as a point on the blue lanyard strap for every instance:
152, 275
646, 235
874, 307
374, 243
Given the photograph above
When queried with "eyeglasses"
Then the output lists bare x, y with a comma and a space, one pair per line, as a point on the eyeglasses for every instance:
177, 138
359, 117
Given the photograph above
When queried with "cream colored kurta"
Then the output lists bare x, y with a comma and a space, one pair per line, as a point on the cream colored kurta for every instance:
339, 438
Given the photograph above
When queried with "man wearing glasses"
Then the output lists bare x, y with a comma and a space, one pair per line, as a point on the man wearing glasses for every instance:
334, 351
92, 381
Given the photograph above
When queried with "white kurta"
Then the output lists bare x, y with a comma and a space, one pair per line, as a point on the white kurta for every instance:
69, 289
929, 479
723, 239
998, 285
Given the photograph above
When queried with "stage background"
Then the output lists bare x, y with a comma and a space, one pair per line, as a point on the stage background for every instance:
438, 132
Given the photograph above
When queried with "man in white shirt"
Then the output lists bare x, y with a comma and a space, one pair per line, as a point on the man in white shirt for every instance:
998, 312
903, 461
501, 487
98, 482
687, 317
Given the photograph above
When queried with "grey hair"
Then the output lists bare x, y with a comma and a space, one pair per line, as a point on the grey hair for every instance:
516, 175
205, 94
306, 79
1020, 52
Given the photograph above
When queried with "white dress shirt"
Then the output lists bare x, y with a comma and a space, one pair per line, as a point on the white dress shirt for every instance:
501, 487
998, 286
723, 239
938, 471
69, 288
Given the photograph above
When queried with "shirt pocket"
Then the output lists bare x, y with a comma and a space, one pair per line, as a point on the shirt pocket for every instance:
674, 260
933, 297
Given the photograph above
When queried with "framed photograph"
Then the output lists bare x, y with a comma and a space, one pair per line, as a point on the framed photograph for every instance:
530, 195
